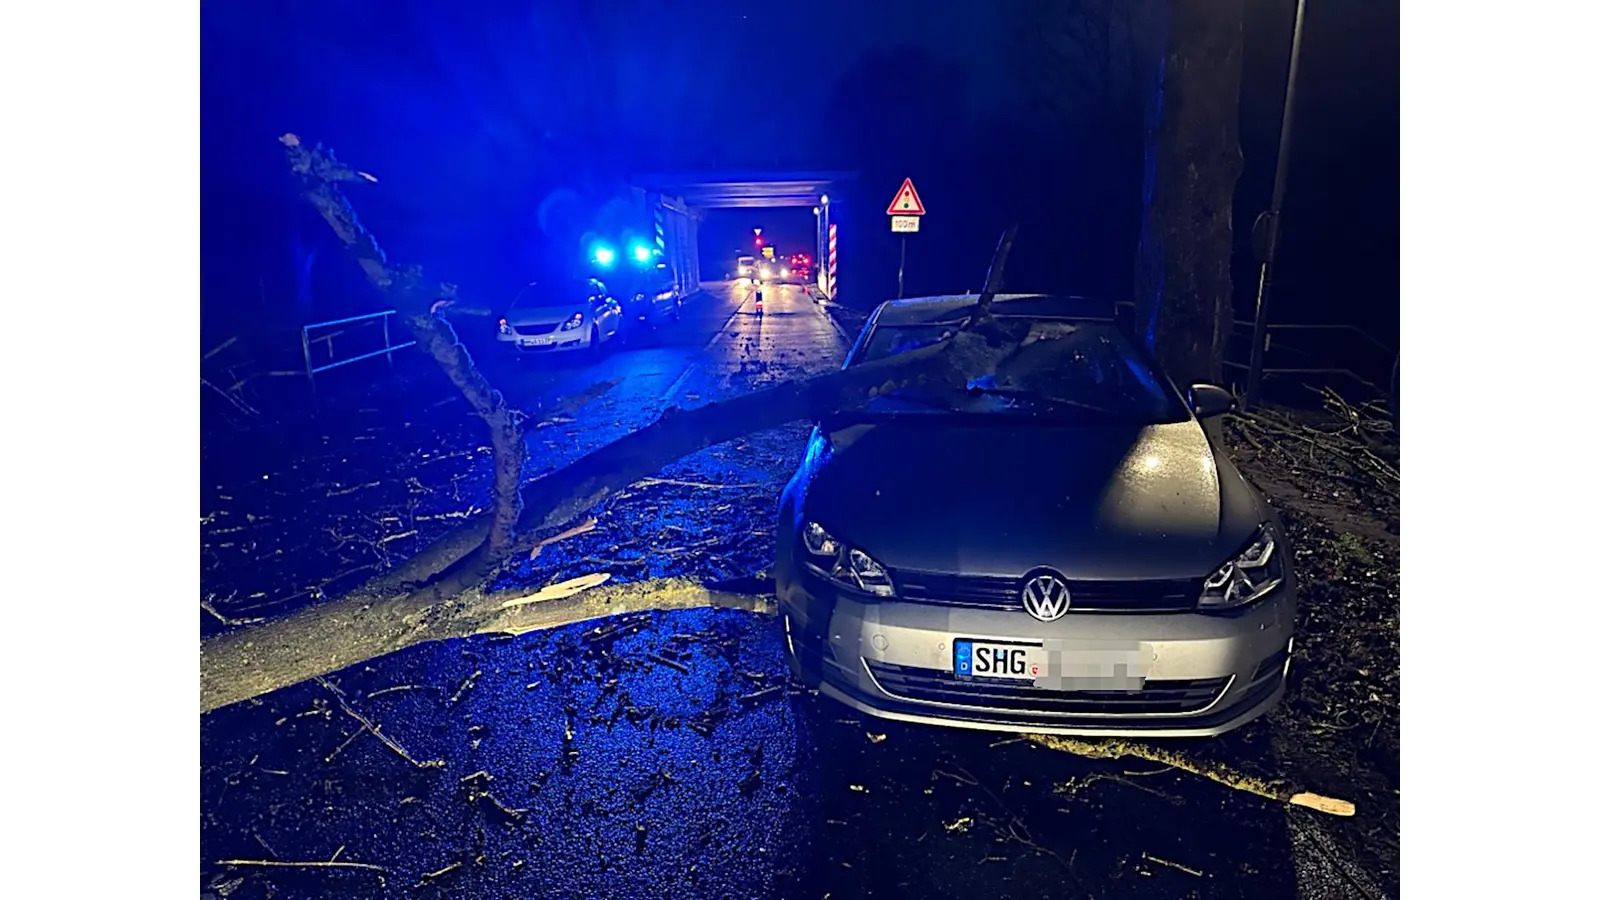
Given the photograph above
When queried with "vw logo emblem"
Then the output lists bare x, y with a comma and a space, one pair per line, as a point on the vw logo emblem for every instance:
1045, 597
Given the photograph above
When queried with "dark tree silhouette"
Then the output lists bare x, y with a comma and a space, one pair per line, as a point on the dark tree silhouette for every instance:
1150, 91
1086, 66
1183, 283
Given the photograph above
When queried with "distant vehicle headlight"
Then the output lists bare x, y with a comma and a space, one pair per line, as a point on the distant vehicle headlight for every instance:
784, 273
1254, 573
845, 565
766, 272
575, 322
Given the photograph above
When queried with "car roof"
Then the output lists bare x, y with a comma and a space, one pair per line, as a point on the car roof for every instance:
948, 307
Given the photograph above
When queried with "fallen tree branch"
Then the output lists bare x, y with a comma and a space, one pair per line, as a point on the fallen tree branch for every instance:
371, 621
320, 174
312, 643
1221, 773
329, 636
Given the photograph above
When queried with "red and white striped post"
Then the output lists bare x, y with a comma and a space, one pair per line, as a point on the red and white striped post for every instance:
833, 261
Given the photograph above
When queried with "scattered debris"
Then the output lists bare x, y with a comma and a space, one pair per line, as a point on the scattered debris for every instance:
656, 657
377, 732
465, 686
430, 877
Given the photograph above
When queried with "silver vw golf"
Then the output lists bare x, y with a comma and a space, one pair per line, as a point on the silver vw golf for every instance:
1059, 547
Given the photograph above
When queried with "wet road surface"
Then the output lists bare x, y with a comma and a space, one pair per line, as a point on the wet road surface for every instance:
665, 754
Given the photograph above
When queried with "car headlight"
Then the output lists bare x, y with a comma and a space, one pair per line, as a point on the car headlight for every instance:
843, 564
575, 322
784, 273
504, 327
1254, 573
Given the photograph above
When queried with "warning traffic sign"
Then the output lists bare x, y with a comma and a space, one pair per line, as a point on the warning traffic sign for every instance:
906, 202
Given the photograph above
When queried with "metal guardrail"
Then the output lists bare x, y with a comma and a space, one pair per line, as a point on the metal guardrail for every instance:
1366, 378
307, 341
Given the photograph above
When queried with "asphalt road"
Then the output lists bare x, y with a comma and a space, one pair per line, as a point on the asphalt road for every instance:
665, 754
719, 347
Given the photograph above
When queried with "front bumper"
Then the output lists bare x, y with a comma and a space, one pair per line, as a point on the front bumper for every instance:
1207, 674
545, 344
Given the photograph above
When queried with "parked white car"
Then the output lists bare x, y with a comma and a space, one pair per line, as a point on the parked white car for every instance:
561, 315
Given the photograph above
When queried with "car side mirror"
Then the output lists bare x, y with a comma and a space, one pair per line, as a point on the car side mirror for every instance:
1208, 400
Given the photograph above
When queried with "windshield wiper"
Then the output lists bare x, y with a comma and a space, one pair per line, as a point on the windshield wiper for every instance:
1035, 397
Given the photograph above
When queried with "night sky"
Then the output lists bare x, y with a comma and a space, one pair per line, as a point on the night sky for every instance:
476, 115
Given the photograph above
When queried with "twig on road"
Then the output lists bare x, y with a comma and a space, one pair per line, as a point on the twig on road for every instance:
430, 877
656, 657
377, 732
1172, 865
302, 864
465, 686
226, 620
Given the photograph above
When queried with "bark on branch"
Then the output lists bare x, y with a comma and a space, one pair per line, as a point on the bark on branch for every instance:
319, 175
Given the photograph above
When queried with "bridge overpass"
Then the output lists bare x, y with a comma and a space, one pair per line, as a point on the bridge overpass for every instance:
677, 200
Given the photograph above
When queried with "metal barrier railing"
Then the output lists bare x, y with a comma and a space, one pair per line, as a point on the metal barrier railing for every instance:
307, 341
1366, 377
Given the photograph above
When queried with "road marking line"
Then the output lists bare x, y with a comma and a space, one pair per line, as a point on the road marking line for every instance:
727, 322
673, 391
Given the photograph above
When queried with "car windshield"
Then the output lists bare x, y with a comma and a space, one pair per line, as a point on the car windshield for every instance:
556, 292
1088, 372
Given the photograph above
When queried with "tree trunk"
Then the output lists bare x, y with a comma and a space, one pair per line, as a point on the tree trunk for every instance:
1182, 281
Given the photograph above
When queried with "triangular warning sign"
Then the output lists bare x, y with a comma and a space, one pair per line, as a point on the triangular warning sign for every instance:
906, 202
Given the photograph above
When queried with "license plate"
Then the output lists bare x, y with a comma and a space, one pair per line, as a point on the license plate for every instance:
991, 660
538, 341
1056, 664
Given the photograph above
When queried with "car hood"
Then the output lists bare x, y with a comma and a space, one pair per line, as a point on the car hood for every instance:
1001, 499
544, 315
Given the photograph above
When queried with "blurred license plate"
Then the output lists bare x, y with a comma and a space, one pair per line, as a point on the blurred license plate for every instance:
1057, 663
988, 660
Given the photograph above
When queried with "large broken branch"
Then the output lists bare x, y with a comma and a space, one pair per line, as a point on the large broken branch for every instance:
378, 619
319, 174
324, 638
